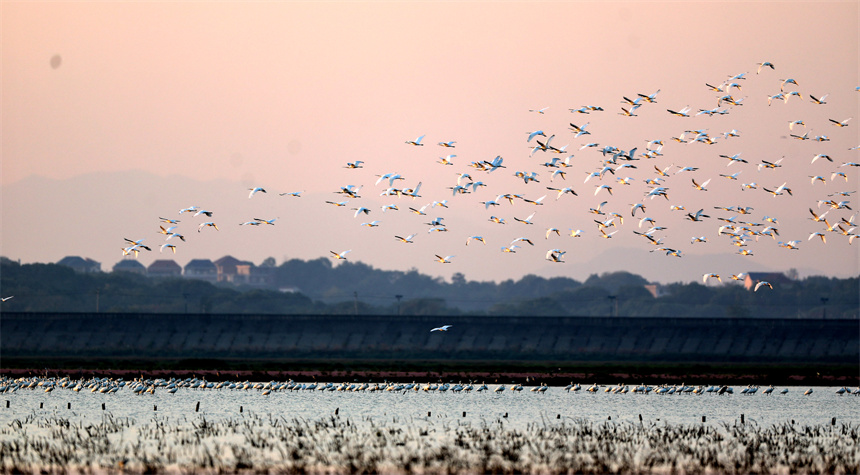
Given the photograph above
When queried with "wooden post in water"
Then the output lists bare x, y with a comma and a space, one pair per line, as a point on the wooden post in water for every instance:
103, 406
240, 408
833, 421
70, 405
41, 405
703, 418
464, 414
742, 418
7, 403
197, 408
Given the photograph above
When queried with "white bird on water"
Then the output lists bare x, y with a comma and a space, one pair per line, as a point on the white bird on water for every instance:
443, 328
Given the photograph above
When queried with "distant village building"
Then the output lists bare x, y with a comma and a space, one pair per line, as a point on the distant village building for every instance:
201, 269
233, 270
164, 268
80, 264
774, 278
130, 265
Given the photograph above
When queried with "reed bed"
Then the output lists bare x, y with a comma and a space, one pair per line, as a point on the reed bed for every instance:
265, 443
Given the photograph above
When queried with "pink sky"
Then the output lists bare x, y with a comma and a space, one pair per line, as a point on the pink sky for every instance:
283, 94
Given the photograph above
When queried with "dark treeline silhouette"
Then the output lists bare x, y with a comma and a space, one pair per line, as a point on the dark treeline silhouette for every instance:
318, 287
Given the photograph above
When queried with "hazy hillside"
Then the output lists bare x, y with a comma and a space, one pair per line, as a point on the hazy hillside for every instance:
355, 288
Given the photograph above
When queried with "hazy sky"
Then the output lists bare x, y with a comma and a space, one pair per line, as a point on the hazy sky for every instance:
114, 114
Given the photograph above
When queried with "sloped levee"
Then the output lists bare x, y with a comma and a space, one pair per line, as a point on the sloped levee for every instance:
381, 337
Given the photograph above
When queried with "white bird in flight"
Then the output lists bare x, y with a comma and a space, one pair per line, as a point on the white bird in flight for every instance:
762, 284
341, 255
527, 220
443, 328
476, 238
255, 191
416, 142
360, 210
555, 255
765, 64
685, 112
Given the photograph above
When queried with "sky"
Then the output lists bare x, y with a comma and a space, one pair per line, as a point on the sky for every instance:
117, 113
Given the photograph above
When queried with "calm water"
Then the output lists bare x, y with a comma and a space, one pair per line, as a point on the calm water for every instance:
410, 408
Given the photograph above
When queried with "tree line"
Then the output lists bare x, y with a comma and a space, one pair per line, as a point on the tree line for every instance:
318, 287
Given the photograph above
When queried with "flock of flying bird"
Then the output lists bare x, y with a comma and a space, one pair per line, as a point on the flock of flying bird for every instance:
832, 216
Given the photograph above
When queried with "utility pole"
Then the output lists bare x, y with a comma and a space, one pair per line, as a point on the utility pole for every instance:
355, 302
824, 308
398, 297
613, 303
97, 300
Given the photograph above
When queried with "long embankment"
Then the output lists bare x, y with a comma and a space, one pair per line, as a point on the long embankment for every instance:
803, 351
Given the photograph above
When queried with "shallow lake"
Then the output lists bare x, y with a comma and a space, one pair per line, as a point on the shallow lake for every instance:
515, 408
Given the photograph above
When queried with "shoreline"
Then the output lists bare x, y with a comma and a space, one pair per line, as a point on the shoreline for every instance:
494, 377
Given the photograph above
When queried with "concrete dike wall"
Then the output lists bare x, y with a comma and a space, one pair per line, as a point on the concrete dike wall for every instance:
375, 337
